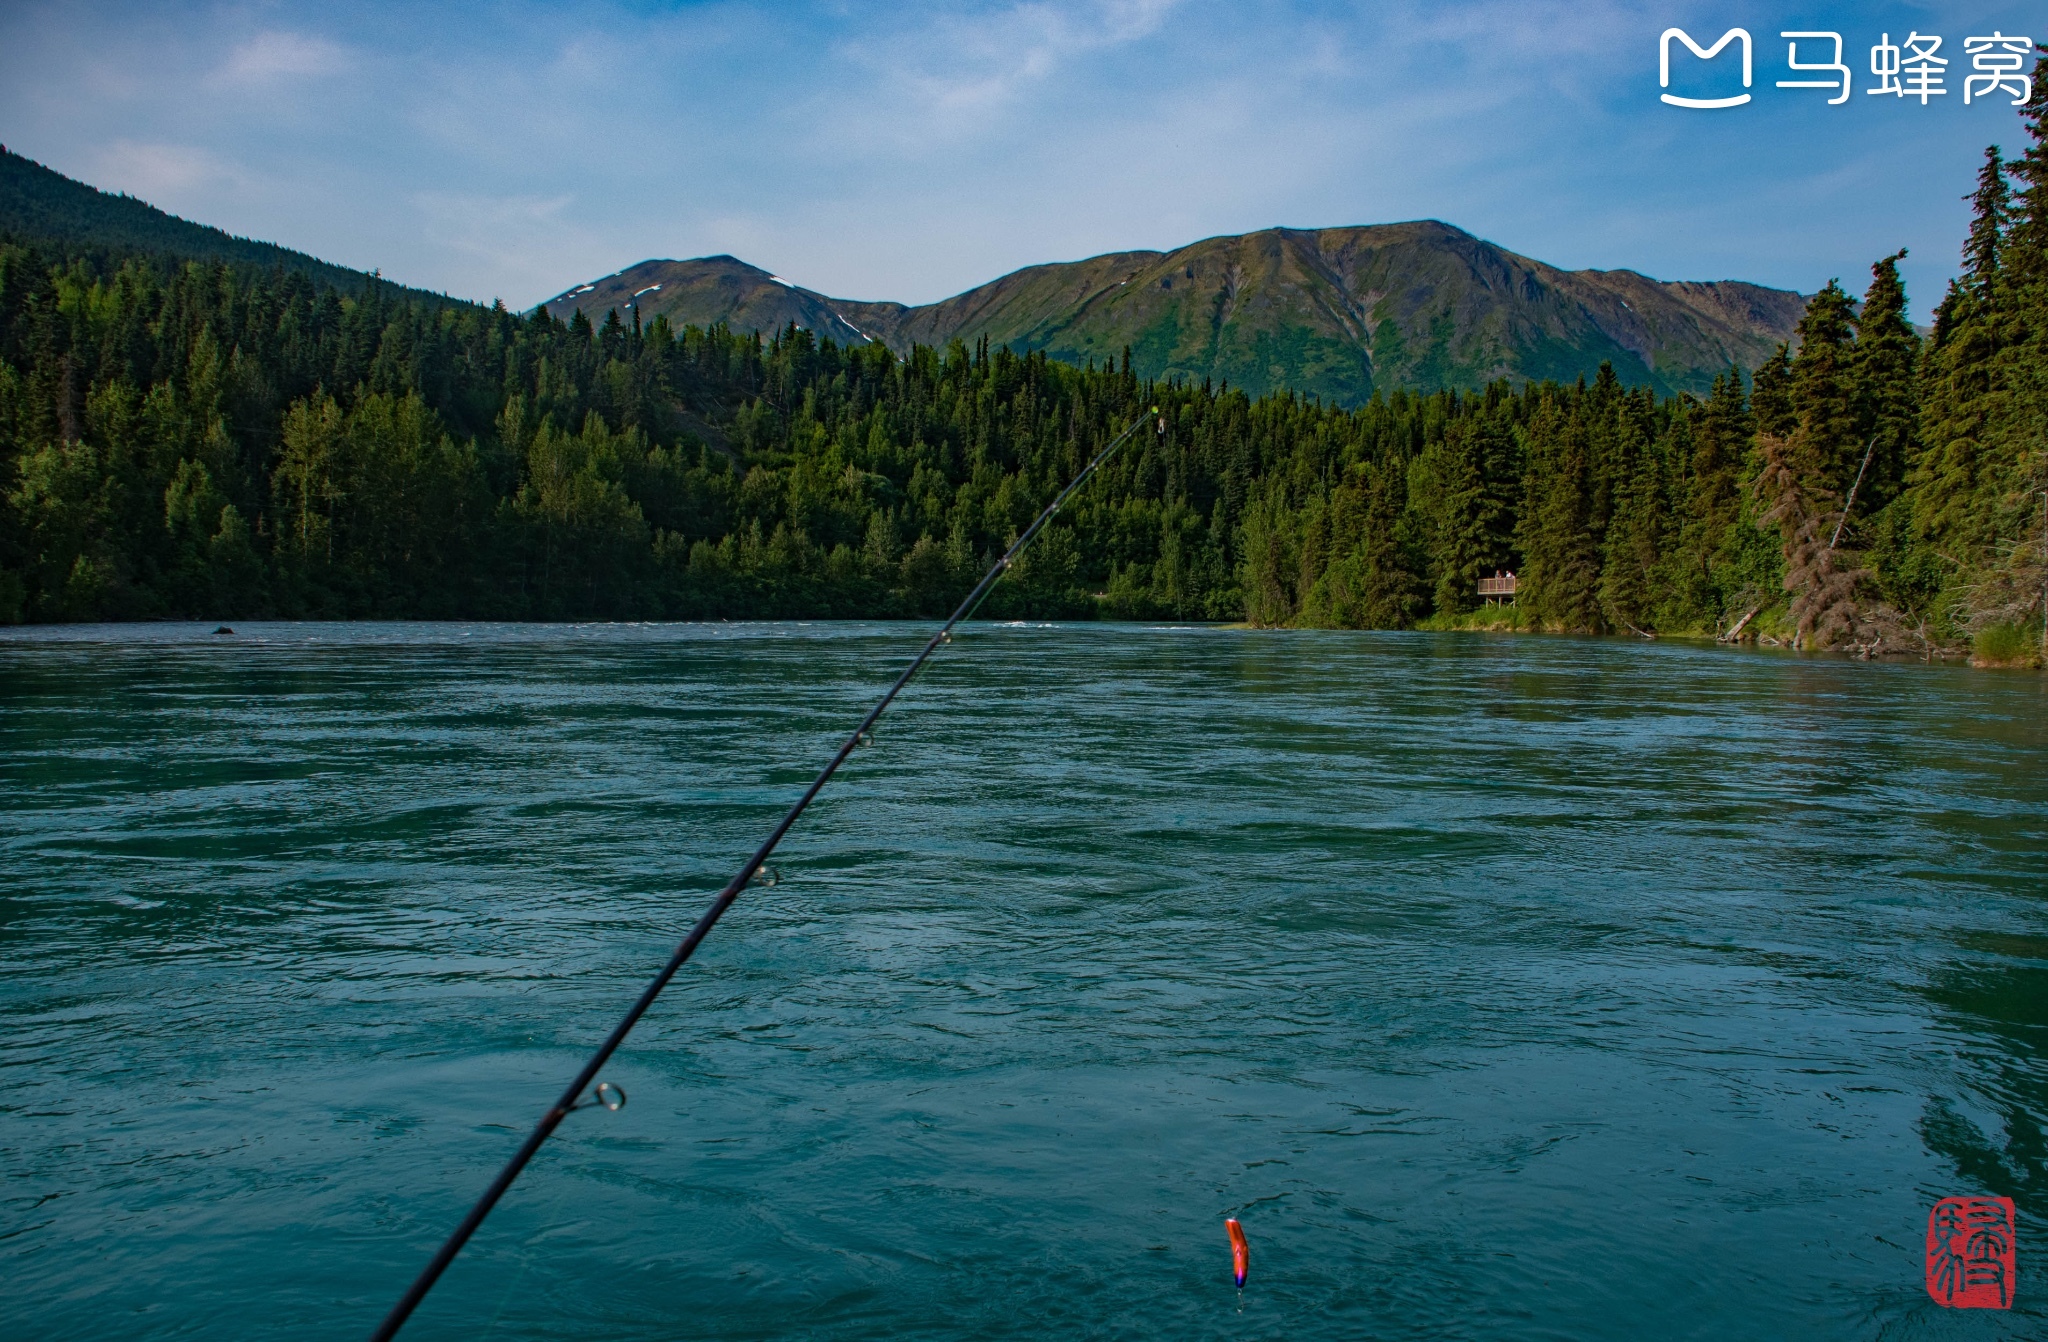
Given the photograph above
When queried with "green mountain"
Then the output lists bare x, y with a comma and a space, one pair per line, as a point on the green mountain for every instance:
40, 205
1334, 312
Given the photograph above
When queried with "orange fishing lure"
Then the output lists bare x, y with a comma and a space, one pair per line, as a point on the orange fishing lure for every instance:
1240, 1252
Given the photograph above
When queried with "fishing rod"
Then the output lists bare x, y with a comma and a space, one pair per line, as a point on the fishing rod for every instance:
610, 1096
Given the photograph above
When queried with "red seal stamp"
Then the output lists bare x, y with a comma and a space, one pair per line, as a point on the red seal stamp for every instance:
1971, 1254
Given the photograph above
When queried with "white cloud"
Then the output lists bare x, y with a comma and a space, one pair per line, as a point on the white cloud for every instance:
271, 58
161, 173
958, 72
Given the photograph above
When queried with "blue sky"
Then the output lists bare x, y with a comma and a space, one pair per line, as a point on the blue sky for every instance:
906, 150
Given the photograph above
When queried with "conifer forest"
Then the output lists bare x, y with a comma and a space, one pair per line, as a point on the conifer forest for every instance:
188, 439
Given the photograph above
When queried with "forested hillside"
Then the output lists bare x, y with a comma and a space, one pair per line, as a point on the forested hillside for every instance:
211, 441
39, 204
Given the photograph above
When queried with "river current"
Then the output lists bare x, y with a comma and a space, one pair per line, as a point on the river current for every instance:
1519, 988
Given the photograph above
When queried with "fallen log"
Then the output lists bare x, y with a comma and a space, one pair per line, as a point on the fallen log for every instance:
1740, 625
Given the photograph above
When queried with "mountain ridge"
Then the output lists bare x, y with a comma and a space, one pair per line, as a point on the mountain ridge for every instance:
1333, 312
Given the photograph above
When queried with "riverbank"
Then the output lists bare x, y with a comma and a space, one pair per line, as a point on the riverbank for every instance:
2004, 647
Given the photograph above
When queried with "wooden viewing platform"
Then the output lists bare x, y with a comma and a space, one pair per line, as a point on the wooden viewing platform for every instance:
1500, 584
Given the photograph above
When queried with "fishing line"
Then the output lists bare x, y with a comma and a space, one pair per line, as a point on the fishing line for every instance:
1836, 539
610, 1096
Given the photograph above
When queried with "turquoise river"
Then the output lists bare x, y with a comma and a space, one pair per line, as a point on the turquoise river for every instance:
1517, 988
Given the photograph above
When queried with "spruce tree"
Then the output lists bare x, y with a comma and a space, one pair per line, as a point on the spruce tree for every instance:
1770, 396
1629, 554
1887, 400
1561, 559
1991, 203
1389, 583
1824, 446
1957, 390
1716, 435
1457, 482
